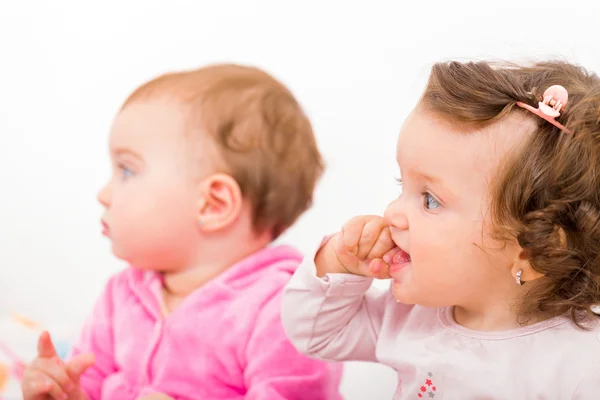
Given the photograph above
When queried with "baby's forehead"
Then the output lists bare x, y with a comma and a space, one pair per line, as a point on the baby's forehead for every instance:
439, 148
147, 122
160, 110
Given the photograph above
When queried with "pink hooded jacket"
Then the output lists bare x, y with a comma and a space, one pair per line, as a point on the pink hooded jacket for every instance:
225, 340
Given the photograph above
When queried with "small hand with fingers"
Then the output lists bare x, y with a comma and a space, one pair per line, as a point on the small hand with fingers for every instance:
48, 377
363, 247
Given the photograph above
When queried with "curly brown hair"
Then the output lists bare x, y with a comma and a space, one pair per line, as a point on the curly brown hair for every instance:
547, 194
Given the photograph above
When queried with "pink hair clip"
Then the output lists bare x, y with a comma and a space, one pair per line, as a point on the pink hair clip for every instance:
555, 99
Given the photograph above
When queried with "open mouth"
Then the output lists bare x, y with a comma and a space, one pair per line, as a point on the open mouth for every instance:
401, 257
399, 261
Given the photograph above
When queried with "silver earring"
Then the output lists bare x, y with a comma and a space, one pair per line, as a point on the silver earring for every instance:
201, 222
518, 278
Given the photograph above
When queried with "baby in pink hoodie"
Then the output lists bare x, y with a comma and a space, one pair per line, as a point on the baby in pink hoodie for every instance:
209, 167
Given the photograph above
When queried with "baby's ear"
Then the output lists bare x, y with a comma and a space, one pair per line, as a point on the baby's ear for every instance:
220, 202
522, 264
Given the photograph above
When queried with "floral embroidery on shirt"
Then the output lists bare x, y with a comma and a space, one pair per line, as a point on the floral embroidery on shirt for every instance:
427, 390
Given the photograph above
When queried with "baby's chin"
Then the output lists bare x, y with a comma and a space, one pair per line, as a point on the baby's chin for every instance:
409, 296
128, 258
401, 294
130, 253
140, 264
145, 265
406, 294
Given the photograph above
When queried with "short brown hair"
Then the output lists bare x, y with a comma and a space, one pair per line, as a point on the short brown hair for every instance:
547, 194
262, 134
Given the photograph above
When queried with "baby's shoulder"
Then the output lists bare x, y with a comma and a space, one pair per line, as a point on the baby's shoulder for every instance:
584, 341
579, 355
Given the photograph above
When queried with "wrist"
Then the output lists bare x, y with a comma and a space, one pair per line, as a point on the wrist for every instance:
327, 261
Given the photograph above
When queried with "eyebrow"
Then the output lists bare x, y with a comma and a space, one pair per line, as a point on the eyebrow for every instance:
433, 180
125, 151
421, 175
428, 178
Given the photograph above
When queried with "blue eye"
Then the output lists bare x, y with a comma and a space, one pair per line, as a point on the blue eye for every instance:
430, 202
125, 172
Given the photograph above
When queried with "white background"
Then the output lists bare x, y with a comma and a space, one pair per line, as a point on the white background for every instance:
66, 66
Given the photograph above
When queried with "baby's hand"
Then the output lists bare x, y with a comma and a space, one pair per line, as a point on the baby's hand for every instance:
48, 377
359, 248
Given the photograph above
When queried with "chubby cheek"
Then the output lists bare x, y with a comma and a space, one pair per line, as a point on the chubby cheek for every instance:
155, 238
426, 280
130, 225
123, 234
147, 245
139, 208
126, 219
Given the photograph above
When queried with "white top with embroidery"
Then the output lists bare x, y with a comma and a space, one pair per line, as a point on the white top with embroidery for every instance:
340, 317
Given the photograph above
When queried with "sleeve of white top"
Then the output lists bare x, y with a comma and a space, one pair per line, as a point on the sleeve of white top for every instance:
337, 317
